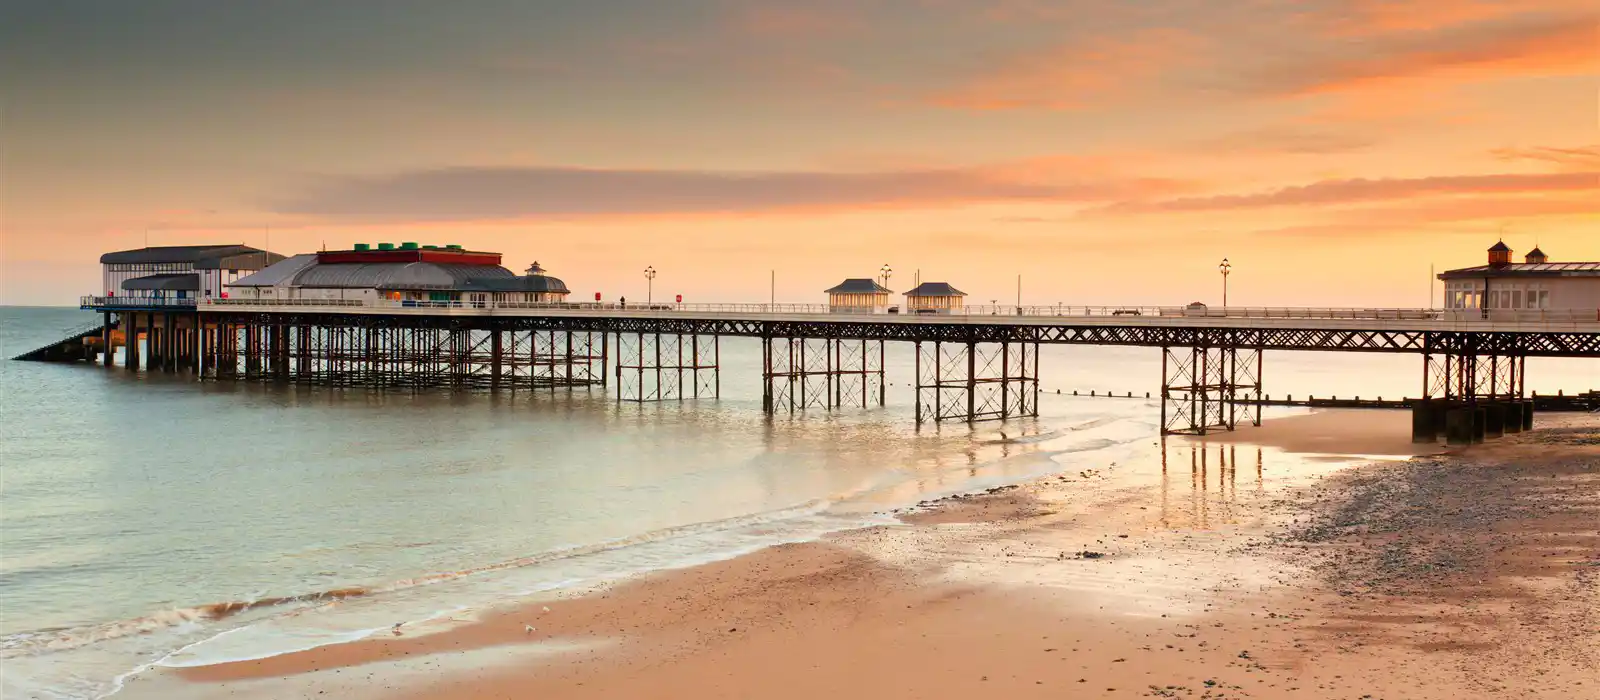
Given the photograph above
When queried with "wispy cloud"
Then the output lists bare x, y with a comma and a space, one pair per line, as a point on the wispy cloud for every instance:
1073, 75
468, 193
1330, 192
1526, 45
1576, 157
1286, 140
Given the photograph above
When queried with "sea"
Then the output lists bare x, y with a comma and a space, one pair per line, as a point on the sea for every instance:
151, 520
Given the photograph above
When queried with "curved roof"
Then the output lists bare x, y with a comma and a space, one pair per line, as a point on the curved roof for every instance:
279, 274
530, 283
858, 285
185, 281
414, 275
935, 289
206, 256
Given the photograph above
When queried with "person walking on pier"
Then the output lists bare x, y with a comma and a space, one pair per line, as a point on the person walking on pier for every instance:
624, 302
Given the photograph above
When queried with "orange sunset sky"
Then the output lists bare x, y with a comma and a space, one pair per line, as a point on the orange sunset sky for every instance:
1108, 152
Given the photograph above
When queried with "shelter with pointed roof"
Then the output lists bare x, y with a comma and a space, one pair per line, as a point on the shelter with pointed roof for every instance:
858, 295
179, 271
934, 298
1537, 284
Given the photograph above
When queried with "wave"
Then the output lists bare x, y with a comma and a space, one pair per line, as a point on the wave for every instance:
63, 639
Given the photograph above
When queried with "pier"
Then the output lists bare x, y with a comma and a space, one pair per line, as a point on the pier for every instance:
412, 316
976, 364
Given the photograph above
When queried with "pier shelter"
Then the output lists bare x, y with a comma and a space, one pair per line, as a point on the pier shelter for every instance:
179, 272
408, 273
1534, 285
858, 296
934, 298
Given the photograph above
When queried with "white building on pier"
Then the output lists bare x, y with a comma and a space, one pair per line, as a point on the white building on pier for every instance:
1535, 284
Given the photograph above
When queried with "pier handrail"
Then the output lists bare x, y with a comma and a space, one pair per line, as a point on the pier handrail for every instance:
1464, 316
100, 301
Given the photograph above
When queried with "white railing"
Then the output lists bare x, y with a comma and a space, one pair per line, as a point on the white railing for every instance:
136, 301
1059, 310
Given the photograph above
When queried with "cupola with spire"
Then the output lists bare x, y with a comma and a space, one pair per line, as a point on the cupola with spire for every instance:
1536, 257
1500, 254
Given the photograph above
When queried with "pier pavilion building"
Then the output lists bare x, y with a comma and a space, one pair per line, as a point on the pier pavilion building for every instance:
1533, 285
858, 296
405, 273
179, 272
935, 298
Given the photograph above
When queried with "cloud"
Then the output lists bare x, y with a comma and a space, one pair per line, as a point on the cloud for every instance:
1368, 17
1070, 76
470, 193
1523, 46
1581, 157
1332, 192
1286, 140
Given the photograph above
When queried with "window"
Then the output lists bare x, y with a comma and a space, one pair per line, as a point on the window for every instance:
1516, 299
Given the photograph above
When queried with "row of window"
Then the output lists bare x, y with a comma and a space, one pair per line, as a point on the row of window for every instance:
1509, 295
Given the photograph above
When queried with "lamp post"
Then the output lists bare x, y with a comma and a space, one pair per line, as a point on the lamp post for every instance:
650, 284
1224, 267
883, 274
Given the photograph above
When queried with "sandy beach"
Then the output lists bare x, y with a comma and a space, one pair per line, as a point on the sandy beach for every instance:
1473, 573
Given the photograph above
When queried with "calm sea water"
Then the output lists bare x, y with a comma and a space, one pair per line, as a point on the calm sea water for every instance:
148, 518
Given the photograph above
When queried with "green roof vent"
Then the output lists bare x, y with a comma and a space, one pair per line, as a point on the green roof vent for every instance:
453, 246
409, 245
363, 246
385, 246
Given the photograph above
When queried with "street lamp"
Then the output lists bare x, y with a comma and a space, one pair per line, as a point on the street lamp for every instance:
883, 275
1224, 267
650, 284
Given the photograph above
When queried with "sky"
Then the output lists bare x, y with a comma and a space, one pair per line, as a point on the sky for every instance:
1335, 151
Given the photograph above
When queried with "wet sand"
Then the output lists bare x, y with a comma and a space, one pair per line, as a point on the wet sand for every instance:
1461, 575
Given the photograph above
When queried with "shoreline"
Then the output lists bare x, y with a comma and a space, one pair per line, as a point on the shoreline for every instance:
954, 598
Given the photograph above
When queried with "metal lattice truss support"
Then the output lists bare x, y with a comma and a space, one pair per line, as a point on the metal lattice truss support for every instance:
667, 366
1203, 388
826, 373
1473, 377
1547, 343
395, 357
973, 382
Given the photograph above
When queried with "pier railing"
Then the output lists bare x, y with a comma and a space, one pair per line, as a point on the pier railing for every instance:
140, 302
1564, 316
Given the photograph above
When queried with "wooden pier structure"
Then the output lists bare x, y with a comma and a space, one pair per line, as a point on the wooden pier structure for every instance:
981, 363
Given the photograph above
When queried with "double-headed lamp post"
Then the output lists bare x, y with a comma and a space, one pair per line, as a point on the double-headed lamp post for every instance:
883, 275
1224, 267
650, 284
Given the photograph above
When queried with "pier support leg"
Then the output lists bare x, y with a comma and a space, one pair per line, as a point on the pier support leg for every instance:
666, 366
150, 348
106, 331
971, 381
130, 341
496, 359
825, 373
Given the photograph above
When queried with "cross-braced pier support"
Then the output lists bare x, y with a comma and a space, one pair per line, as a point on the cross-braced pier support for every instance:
1204, 388
1468, 397
977, 381
826, 373
382, 356
667, 366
